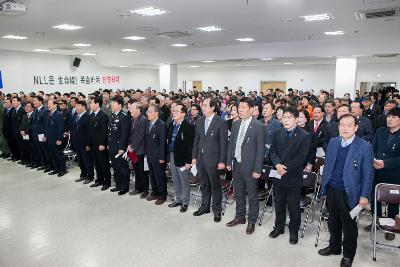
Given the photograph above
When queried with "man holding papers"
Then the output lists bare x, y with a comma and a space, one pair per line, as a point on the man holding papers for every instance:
346, 182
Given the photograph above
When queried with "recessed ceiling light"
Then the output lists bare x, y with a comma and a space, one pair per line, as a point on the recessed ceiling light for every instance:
149, 11
128, 50
15, 37
82, 45
245, 39
194, 66
41, 50
288, 63
179, 45
134, 38
123, 66
378, 76
89, 54
316, 17
211, 28
68, 27
266, 59
208, 61
334, 33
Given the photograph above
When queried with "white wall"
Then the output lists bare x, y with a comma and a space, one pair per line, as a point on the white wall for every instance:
18, 70
304, 77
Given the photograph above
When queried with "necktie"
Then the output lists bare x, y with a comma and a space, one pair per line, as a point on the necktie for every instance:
207, 123
239, 142
288, 134
316, 125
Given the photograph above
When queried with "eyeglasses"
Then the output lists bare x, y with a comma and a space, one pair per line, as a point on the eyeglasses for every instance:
287, 117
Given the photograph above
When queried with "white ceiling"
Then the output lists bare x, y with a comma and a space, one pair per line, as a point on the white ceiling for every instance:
263, 20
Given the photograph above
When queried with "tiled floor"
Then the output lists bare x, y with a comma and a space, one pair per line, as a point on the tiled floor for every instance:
50, 221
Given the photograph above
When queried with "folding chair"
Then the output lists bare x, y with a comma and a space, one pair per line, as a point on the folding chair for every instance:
69, 154
170, 183
226, 187
323, 216
265, 175
389, 194
194, 182
307, 202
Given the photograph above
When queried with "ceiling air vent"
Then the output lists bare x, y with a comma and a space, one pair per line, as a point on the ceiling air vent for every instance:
377, 13
175, 34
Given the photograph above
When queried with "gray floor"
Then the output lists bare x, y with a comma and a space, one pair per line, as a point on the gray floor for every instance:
50, 221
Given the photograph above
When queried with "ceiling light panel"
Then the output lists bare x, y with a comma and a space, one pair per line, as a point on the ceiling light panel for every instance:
179, 45
317, 17
134, 38
211, 28
149, 11
245, 39
15, 37
81, 45
67, 27
334, 33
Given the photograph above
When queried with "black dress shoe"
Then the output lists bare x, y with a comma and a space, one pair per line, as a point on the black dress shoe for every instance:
184, 208
122, 192
80, 179
294, 239
105, 187
346, 262
87, 181
200, 212
134, 193
114, 190
41, 168
329, 251
174, 205
52, 172
47, 170
95, 185
275, 233
217, 217
61, 174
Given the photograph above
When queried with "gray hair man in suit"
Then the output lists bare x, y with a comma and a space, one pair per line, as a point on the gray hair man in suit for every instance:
209, 156
246, 142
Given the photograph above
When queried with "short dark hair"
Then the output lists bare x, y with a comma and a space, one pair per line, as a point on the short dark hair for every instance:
271, 103
29, 103
73, 98
183, 107
319, 106
214, 104
106, 91
18, 98
82, 103
394, 102
98, 100
63, 101
349, 116
292, 111
345, 105
39, 98
248, 101
330, 101
118, 99
394, 112
306, 97
156, 108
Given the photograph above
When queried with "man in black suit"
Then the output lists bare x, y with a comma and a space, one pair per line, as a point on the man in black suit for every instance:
288, 154
54, 134
7, 129
98, 135
80, 140
118, 138
364, 124
247, 141
318, 124
17, 115
332, 129
156, 140
330, 113
38, 127
371, 109
209, 156
29, 151
380, 120
180, 144
137, 140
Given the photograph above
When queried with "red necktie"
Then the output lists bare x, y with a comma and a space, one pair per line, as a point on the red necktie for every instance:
316, 124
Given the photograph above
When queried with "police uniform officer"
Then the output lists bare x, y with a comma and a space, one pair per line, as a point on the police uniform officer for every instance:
118, 135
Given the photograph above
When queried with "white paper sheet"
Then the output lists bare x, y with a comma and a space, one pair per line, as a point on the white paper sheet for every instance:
274, 173
41, 137
387, 222
182, 169
320, 152
25, 137
354, 212
193, 170
146, 165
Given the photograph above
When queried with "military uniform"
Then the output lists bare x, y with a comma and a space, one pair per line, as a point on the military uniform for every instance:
118, 135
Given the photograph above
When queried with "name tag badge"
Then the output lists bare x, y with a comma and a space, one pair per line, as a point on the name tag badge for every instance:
248, 139
182, 136
212, 133
154, 136
267, 146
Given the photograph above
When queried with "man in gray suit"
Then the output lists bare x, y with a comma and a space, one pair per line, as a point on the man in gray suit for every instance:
209, 155
246, 142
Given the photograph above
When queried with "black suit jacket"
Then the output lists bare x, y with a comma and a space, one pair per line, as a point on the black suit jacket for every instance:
292, 153
80, 131
331, 131
364, 129
98, 130
320, 133
379, 122
156, 142
26, 125
7, 122
16, 121
183, 143
138, 135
